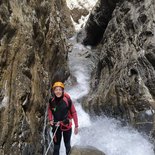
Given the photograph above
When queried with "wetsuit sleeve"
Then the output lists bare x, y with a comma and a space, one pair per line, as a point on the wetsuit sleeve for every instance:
50, 115
74, 115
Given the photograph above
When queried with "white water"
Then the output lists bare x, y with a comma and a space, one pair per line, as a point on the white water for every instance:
104, 133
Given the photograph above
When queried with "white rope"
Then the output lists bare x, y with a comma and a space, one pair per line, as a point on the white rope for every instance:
51, 140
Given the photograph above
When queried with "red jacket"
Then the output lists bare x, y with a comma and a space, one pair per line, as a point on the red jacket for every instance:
61, 109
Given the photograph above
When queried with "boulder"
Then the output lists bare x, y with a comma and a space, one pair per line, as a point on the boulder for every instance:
89, 150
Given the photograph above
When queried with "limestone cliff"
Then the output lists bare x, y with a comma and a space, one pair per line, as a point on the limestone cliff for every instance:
123, 82
33, 53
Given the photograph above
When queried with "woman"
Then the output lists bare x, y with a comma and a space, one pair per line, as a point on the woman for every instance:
60, 114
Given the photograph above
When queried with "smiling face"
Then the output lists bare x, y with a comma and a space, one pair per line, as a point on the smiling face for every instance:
58, 91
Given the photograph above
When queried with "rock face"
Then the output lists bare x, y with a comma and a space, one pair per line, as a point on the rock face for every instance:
76, 13
77, 150
123, 82
33, 54
98, 21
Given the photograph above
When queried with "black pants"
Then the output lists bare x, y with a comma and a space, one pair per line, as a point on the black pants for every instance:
57, 140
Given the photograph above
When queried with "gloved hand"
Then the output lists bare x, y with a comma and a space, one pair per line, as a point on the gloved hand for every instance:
57, 124
51, 123
76, 130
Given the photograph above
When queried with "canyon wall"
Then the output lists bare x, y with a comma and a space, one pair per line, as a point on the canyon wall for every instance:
33, 54
122, 84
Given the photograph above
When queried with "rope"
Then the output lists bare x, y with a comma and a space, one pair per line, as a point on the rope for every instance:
51, 140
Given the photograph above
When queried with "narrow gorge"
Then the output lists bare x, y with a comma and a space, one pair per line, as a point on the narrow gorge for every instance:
106, 62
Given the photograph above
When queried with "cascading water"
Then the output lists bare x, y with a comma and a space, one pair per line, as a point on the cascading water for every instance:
104, 133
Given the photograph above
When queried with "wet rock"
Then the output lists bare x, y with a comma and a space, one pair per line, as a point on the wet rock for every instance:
33, 54
123, 81
78, 150
98, 21
76, 13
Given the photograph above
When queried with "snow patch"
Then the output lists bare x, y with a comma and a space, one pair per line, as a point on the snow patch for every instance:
85, 4
88, 4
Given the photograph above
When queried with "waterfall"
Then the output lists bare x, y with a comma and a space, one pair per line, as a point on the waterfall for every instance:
106, 134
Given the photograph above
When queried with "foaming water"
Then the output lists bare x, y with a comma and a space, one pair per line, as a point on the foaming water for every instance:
110, 137
104, 133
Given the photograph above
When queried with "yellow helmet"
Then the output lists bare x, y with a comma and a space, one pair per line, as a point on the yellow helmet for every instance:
58, 84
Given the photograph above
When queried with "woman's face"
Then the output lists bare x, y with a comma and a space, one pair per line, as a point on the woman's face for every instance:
58, 91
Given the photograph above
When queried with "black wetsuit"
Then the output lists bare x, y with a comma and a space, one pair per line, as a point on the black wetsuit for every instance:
59, 110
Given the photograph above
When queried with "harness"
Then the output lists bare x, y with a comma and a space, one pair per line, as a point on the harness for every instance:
65, 124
